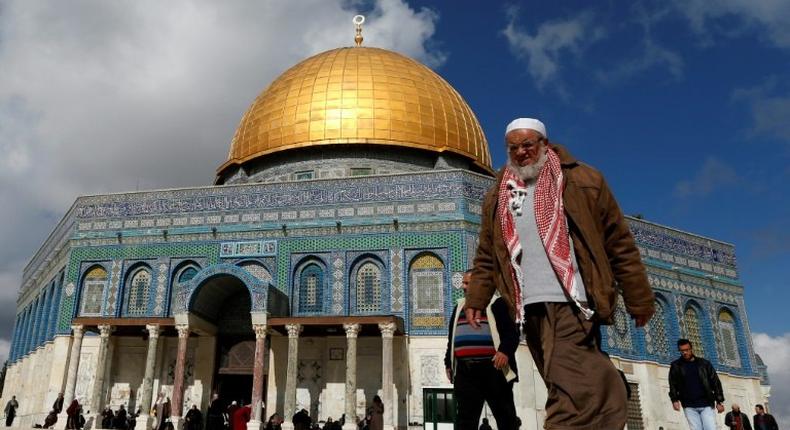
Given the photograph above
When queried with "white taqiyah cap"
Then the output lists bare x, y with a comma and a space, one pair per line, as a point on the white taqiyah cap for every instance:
527, 123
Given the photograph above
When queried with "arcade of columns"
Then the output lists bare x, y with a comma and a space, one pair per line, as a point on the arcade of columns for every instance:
260, 366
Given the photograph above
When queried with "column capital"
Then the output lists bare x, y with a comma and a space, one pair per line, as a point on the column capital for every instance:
105, 330
387, 329
153, 330
261, 330
293, 330
183, 330
352, 330
78, 330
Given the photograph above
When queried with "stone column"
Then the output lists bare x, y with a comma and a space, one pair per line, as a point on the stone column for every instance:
352, 330
261, 351
177, 402
290, 375
71, 376
387, 387
145, 419
98, 382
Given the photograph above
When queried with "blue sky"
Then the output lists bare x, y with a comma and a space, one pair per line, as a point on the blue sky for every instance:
689, 120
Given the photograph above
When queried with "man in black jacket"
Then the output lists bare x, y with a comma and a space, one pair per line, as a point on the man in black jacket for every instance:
737, 420
695, 386
481, 363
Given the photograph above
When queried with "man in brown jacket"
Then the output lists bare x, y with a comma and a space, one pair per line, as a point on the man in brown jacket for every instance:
555, 245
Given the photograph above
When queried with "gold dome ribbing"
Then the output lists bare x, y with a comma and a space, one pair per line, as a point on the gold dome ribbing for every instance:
359, 96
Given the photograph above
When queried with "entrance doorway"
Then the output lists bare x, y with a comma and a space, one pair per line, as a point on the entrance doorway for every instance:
438, 408
225, 302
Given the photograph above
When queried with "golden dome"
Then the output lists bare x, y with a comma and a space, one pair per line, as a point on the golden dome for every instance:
359, 96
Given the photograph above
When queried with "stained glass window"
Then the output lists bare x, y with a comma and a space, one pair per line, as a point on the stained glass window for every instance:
93, 291
729, 342
691, 321
427, 284
368, 288
311, 281
656, 333
139, 290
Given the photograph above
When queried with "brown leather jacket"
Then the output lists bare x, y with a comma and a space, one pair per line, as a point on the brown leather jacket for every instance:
606, 253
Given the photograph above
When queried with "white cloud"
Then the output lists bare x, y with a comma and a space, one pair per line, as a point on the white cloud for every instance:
551, 43
713, 175
775, 352
771, 18
769, 105
102, 96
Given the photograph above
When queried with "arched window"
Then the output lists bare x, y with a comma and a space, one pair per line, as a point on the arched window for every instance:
693, 332
368, 288
257, 270
183, 276
93, 291
139, 288
656, 338
427, 284
311, 288
728, 338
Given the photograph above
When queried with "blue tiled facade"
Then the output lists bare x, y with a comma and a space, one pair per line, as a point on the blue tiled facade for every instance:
389, 220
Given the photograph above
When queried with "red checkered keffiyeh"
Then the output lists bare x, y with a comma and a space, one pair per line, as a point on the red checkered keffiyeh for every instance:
551, 222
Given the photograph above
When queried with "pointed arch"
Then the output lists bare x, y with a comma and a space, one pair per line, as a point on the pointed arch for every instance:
138, 290
184, 273
426, 277
728, 329
692, 323
367, 285
94, 284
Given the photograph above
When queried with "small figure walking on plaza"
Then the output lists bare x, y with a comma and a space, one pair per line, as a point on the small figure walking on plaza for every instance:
695, 387
556, 246
764, 420
73, 413
162, 410
377, 414
10, 411
214, 418
481, 363
194, 419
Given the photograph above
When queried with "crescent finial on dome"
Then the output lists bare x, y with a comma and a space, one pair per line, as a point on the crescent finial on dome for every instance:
358, 21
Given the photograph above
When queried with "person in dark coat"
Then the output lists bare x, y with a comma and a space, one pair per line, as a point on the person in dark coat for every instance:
162, 408
694, 386
214, 418
73, 413
763, 420
120, 418
58, 405
485, 425
232, 408
301, 420
194, 419
50, 420
10, 411
107, 418
737, 420
481, 363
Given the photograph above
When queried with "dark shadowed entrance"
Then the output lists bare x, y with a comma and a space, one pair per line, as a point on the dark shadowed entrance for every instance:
225, 302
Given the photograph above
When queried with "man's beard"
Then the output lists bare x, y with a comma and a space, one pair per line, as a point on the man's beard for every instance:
529, 172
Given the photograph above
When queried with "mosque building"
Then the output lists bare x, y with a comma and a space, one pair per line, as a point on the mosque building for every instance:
321, 268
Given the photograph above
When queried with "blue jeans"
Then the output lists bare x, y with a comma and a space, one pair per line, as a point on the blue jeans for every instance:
701, 418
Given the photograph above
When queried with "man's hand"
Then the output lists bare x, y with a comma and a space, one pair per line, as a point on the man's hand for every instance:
719, 407
500, 360
641, 320
449, 374
473, 317
676, 405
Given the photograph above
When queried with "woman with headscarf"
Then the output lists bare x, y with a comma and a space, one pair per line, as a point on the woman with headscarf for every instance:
377, 414
73, 415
